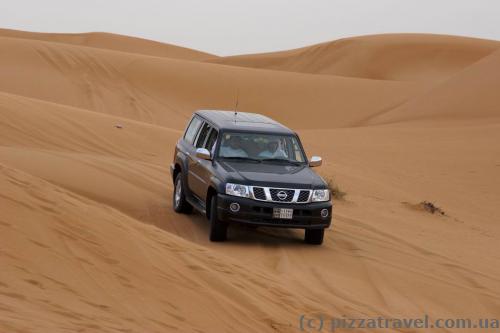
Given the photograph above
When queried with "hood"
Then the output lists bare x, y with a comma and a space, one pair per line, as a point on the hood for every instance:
270, 174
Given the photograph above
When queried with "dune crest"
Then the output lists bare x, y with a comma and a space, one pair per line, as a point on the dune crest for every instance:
401, 57
114, 42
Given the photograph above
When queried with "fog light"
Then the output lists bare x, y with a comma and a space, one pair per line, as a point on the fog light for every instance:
234, 207
324, 212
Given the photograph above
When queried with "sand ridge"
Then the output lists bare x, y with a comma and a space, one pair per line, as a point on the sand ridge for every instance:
114, 42
401, 57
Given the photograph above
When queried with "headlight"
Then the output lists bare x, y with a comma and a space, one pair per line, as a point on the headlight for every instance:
237, 190
321, 195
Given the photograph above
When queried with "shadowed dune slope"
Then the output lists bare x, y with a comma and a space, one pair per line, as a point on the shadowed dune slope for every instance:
112, 42
37, 124
472, 93
406, 57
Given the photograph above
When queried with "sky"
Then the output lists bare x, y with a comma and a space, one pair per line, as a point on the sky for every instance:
226, 27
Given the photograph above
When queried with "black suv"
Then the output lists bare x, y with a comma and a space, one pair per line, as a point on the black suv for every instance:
247, 168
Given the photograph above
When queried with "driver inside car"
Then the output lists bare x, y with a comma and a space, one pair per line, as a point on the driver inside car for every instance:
232, 148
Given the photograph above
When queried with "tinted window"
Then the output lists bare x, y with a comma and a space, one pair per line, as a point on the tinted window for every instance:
212, 137
192, 130
203, 135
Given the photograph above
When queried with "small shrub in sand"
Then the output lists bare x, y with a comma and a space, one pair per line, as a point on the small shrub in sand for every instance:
431, 208
426, 206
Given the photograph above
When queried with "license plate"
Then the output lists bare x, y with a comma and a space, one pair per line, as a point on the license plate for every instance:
282, 213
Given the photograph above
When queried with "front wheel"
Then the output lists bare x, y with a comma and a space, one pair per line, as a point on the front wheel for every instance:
218, 229
314, 236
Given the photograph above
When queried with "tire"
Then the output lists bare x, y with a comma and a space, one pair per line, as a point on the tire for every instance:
218, 229
179, 197
314, 236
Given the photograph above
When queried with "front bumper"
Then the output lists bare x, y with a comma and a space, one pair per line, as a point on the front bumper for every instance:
260, 213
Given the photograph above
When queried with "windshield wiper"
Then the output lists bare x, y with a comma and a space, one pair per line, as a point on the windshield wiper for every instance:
281, 160
242, 158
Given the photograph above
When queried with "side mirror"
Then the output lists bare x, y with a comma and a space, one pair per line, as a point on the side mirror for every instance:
315, 161
203, 153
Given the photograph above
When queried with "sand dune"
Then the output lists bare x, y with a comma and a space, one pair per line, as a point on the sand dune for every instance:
88, 238
165, 91
405, 57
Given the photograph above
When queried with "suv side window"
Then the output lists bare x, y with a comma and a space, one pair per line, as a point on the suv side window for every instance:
212, 137
192, 129
203, 135
297, 152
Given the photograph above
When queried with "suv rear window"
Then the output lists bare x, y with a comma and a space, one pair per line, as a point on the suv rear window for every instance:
192, 129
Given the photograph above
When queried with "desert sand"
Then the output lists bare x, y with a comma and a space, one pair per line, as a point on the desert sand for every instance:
88, 238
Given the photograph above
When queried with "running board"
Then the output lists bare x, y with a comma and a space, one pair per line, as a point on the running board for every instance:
197, 204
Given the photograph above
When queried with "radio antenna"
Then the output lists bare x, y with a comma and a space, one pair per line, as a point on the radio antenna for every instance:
236, 105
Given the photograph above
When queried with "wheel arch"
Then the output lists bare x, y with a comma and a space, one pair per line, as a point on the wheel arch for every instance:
211, 192
177, 170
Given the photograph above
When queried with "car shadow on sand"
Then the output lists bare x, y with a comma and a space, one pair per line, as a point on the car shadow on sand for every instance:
196, 228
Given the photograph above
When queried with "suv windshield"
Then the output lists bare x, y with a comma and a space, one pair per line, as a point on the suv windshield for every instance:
261, 147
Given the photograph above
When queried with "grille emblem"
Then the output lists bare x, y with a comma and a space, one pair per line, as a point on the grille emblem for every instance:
282, 195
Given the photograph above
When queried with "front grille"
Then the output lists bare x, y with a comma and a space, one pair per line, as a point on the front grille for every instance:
259, 193
303, 196
281, 195
285, 195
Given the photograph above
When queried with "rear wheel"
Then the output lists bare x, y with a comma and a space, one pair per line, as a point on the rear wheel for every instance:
179, 198
218, 229
314, 236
